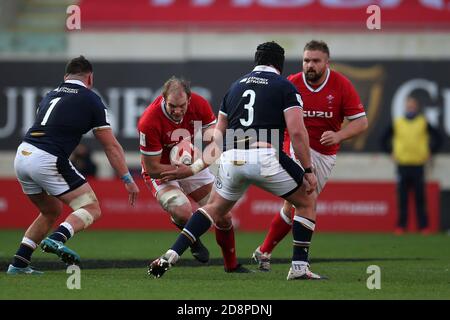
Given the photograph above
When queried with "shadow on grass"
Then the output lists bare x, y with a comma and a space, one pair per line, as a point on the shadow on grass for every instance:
42, 264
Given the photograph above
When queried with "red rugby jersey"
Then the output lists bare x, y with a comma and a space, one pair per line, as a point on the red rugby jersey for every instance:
158, 133
325, 107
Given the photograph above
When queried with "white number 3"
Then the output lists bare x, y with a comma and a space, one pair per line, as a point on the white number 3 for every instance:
249, 107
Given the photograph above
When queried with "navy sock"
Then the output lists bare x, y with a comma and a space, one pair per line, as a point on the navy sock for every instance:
197, 225
302, 230
178, 225
181, 227
22, 257
61, 234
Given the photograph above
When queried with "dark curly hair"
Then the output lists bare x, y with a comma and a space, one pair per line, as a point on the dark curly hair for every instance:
270, 53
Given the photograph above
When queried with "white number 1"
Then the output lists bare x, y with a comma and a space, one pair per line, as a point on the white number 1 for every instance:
50, 109
249, 107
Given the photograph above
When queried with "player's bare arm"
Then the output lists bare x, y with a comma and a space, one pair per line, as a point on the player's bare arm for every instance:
214, 149
353, 128
300, 143
116, 158
154, 167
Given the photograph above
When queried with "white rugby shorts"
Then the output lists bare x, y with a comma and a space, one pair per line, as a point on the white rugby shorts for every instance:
261, 167
38, 171
323, 165
187, 185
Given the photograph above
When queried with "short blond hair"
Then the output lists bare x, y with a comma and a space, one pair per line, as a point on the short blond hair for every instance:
175, 84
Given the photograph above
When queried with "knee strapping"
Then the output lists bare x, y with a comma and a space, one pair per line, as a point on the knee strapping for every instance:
172, 198
83, 200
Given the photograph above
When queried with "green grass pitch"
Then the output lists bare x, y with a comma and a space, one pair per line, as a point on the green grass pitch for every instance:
412, 267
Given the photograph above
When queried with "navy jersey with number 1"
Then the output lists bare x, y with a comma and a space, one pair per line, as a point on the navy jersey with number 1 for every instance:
64, 115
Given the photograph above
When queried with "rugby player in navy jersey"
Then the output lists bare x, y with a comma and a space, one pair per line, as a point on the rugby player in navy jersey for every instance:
48, 177
254, 114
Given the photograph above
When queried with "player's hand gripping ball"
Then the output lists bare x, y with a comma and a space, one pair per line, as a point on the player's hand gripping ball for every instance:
182, 153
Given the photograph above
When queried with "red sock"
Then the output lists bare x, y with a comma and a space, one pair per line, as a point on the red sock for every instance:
278, 230
225, 239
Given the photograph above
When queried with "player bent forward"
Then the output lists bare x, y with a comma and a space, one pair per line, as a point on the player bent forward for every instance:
168, 119
48, 177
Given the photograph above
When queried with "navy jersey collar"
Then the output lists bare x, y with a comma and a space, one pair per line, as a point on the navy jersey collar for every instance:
266, 69
78, 82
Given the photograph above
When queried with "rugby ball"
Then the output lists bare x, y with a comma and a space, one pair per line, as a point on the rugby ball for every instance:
182, 153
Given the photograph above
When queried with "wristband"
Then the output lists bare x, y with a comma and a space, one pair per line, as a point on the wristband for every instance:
308, 170
127, 178
197, 166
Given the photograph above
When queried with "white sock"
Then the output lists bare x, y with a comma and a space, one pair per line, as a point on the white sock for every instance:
285, 217
172, 256
29, 242
69, 227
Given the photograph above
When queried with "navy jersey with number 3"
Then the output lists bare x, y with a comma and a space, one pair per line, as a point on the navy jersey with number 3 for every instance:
258, 100
64, 115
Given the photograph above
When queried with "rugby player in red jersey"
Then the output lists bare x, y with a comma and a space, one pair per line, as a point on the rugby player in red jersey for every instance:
328, 98
169, 119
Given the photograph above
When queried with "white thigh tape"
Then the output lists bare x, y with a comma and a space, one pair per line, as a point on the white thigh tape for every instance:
83, 200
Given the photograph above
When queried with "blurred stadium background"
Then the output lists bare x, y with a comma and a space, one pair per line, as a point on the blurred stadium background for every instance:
136, 45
